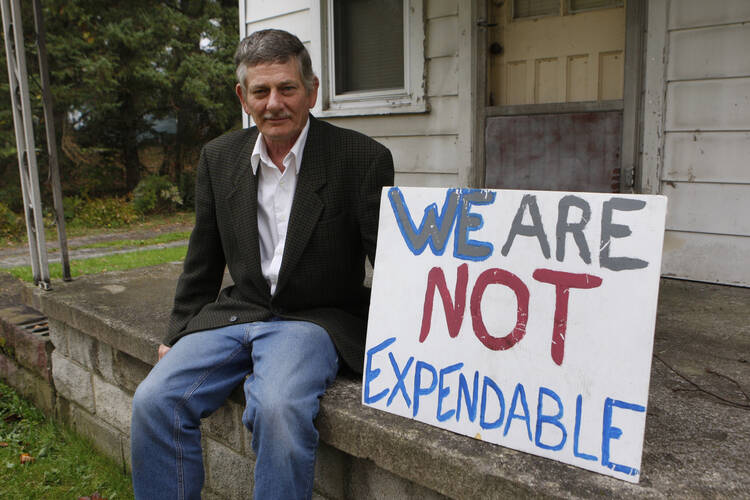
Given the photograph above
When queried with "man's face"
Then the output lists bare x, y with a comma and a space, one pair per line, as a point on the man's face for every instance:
277, 100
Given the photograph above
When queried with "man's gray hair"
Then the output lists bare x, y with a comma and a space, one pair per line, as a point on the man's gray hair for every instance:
273, 46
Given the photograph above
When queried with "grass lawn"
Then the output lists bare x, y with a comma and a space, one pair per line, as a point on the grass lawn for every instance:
149, 223
162, 238
114, 262
41, 459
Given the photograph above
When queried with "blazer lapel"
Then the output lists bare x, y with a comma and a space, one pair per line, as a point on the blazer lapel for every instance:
243, 203
307, 205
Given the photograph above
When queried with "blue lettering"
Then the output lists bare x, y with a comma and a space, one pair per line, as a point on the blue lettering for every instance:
471, 403
488, 382
400, 384
542, 419
371, 374
610, 432
577, 432
434, 229
444, 391
465, 248
519, 394
418, 389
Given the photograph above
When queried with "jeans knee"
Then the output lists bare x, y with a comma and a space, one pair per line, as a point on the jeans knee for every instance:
148, 402
277, 411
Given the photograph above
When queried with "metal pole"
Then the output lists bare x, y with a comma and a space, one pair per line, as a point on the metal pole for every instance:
22, 121
49, 124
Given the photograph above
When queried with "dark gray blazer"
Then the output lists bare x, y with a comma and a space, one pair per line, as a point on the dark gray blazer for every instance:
332, 226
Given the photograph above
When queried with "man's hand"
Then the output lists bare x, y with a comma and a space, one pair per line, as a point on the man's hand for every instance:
163, 350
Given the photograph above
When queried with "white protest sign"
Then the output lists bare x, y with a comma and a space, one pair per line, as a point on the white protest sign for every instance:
522, 318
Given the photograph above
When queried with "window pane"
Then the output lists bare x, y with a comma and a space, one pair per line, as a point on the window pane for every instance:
368, 44
534, 8
579, 5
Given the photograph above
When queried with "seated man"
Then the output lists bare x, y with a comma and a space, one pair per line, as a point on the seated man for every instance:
290, 207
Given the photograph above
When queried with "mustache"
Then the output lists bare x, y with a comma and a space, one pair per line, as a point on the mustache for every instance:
276, 116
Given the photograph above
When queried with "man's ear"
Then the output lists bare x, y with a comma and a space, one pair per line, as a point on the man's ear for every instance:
313, 95
241, 96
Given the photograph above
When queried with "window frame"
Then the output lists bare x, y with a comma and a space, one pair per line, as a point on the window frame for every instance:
408, 99
565, 8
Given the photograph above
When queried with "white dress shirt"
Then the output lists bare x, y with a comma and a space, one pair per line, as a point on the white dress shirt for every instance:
275, 196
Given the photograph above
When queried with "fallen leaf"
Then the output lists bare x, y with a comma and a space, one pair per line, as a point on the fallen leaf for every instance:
26, 458
94, 496
3, 445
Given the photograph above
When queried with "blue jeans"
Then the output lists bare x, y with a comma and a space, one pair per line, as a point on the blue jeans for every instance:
288, 365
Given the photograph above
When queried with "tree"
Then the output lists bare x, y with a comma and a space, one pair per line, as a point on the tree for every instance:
118, 67
201, 38
103, 73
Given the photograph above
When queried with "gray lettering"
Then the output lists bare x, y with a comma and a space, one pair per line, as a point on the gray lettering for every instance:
611, 230
535, 229
575, 228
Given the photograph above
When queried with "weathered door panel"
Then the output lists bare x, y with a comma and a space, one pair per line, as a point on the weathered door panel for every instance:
565, 152
562, 57
555, 95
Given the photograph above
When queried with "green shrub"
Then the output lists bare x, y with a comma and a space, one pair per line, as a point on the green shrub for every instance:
12, 227
156, 194
187, 188
104, 212
71, 206
12, 196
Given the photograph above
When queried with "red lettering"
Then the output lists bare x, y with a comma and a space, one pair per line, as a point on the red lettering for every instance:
563, 283
454, 313
499, 277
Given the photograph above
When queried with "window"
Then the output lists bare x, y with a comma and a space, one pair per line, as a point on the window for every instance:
374, 57
583, 5
539, 8
368, 45
535, 8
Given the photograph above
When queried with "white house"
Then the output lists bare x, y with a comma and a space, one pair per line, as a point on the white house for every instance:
589, 95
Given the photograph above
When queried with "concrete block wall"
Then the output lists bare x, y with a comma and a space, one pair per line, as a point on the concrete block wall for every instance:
95, 384
25, 355
106, 337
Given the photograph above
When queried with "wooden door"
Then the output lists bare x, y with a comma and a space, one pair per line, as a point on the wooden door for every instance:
555, 92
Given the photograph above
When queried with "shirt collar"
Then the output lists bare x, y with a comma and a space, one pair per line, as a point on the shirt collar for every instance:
261, 153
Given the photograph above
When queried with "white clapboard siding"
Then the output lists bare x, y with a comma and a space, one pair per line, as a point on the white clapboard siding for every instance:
709, 52
705, 170
297, 22
707, 157
442, 76
424, 154
441, 120
704, 257
257, 10
708, 208
710, 104
440, 8
694, 13
426, 180
442, 37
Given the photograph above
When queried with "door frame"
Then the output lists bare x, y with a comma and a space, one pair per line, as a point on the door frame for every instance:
631, 104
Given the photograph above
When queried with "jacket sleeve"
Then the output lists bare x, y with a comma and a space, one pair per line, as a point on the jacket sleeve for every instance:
203, 269
379, 174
